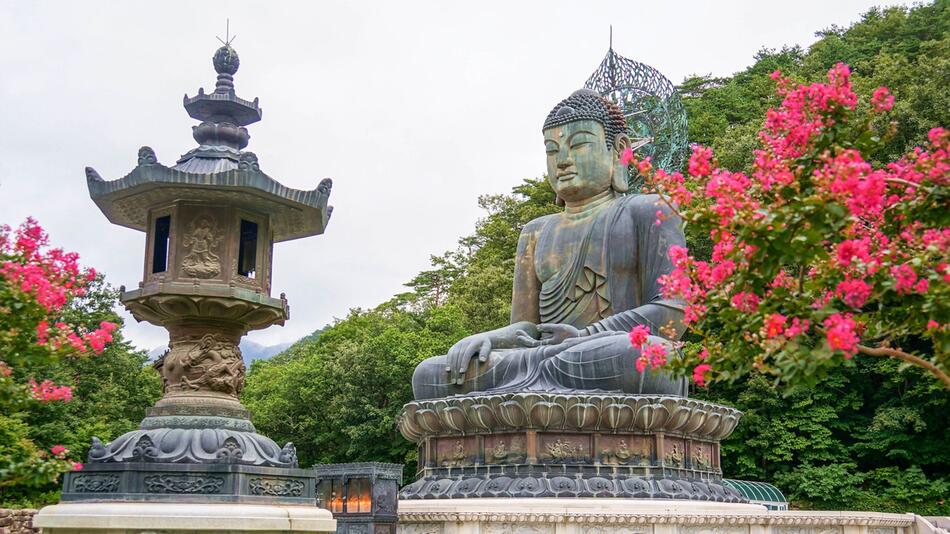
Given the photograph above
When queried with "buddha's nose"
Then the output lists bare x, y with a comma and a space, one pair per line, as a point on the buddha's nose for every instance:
564, 163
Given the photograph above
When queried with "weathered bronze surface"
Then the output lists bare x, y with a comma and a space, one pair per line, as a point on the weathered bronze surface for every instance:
583, 277
553, 405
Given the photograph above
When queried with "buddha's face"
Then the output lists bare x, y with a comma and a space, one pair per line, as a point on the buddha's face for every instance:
579, 162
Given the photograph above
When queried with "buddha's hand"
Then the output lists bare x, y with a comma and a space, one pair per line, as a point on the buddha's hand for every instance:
461, 354
551, 334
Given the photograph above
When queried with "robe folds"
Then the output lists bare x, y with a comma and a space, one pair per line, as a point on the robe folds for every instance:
605, 286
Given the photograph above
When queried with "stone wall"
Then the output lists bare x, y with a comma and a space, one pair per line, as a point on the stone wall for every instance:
17, 521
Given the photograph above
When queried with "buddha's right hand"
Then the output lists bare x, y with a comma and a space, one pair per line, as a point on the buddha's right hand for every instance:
461, 354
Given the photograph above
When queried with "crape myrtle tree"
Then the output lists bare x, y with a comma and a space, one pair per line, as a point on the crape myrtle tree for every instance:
37, 286
818, 255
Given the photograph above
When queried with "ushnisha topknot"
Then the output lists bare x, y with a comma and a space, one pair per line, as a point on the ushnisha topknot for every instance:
587, 104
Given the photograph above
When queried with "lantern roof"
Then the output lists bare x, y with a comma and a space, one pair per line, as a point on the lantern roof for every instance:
126, 201
217, 170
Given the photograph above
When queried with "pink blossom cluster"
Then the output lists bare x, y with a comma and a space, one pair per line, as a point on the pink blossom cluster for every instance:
805, 111
652, 354
47, 391
63, 335
860, 233
51, 276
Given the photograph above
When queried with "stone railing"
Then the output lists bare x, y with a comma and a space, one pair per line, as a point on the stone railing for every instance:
17, 521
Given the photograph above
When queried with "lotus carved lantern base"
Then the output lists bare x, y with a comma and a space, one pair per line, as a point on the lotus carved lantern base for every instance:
568, 445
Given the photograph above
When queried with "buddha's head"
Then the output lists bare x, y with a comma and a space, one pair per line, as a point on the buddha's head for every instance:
584, 136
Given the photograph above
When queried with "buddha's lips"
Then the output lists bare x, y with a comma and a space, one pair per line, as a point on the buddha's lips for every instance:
563, 177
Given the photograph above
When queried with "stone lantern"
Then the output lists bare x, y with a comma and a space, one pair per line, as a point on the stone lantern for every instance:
361, 496
210, 222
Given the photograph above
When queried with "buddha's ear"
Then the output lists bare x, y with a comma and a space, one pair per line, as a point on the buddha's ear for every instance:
620, 173
558, 201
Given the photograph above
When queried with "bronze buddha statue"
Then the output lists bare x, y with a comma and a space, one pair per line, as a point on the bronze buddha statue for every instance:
583, 277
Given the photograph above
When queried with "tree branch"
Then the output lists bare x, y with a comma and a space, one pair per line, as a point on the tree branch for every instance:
899, 181
887, 352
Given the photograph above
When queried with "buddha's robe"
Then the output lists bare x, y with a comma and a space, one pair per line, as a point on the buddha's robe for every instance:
604, 285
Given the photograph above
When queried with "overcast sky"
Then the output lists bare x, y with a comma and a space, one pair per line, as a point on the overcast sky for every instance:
413, 108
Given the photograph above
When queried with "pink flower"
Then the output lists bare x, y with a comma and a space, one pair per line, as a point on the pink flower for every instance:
47, 391
699, 373
626, 156
644, 166
932, 325
638, 335
904, 278
58, 450
678, 255
642, 363
745, 301
656, 353
797, 327
849, 249
77, 466
853, 292
774, 325
700, 162
882, 99
42, 333
840, 334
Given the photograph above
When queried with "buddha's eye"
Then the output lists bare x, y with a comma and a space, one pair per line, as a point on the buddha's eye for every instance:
551, 148
580, 143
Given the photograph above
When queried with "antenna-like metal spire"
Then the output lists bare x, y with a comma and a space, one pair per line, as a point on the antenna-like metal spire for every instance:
227, 35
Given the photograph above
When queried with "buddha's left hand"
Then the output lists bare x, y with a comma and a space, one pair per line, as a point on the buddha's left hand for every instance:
551, 334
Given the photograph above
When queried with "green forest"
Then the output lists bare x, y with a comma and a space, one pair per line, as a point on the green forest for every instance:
869, 436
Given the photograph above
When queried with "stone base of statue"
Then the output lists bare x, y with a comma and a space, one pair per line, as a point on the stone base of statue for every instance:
173, 518
568, 445
633, 516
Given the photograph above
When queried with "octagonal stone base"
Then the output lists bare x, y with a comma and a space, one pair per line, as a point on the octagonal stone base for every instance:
538, 444
174, 518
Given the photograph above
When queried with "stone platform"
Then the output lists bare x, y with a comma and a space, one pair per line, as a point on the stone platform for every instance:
171, 518
634, 516
568, 445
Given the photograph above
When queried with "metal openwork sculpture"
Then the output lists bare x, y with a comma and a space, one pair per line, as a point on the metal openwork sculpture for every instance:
656, 118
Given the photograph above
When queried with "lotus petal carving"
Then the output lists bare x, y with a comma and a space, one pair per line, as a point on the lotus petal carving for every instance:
408, 427
726, 426
547, 415
694, 422
583, 415
617, 416
597, 413
713, 420
482, 416
512, 414
453, 417
429, 420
